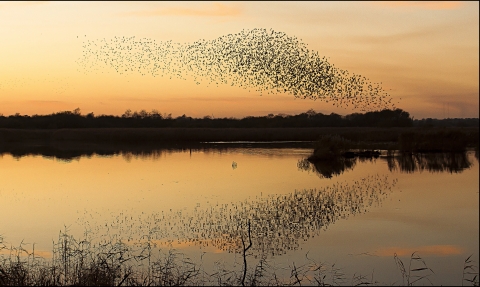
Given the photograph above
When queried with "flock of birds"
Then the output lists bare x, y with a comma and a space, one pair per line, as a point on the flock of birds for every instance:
278, 223
259, 59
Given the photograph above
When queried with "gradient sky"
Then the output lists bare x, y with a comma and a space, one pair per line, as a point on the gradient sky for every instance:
425, 54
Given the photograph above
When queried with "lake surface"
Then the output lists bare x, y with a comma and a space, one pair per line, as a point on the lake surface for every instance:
353, 214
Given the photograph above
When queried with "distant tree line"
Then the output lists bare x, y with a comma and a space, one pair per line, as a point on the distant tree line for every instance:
154, 119
455, 122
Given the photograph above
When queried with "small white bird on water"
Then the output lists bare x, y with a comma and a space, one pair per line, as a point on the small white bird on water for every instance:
234, 165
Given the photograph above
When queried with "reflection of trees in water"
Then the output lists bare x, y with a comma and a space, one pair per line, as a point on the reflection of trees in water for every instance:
75, 151
278, 222
433, 162
69, 152
327, 168
417, 162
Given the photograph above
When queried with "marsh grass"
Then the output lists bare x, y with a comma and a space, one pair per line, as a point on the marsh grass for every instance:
335, 150
470, 272
416, 270
330, 147
145, 135
443, 140
82, 263
408, 141
378, 138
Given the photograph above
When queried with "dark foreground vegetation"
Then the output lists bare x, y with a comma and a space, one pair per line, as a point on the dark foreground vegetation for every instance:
387, 129
78, 262
419, 140
444, 140
164, 135
380, 138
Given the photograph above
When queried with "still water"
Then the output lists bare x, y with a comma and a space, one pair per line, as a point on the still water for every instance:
353, 214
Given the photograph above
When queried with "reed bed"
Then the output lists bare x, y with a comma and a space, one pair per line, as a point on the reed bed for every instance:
159, 135
79, 262
330, 147
333, 146
443, 140
136, 135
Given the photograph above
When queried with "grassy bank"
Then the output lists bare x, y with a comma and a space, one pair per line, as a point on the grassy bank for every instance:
379, 137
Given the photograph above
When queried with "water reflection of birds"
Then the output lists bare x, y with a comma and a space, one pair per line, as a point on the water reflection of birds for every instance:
267, 61
278, 222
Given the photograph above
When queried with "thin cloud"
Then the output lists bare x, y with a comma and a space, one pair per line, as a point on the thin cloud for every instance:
439, 31
427, 5
214, 10
432, 250
46, 102
252, 98
394, 38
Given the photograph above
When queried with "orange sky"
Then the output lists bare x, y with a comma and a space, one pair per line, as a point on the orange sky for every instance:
425, 54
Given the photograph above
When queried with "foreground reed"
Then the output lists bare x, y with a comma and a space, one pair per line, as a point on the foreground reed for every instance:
113, 263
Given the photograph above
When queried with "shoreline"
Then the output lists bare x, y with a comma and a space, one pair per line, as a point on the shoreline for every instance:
213, 135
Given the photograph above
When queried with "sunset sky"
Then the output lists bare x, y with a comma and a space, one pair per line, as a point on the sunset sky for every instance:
425, 54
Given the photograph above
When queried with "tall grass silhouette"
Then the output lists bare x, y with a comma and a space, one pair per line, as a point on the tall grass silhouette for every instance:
80, 262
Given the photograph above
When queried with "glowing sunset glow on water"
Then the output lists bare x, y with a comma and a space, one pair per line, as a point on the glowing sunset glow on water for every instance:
174, 197
435, 250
